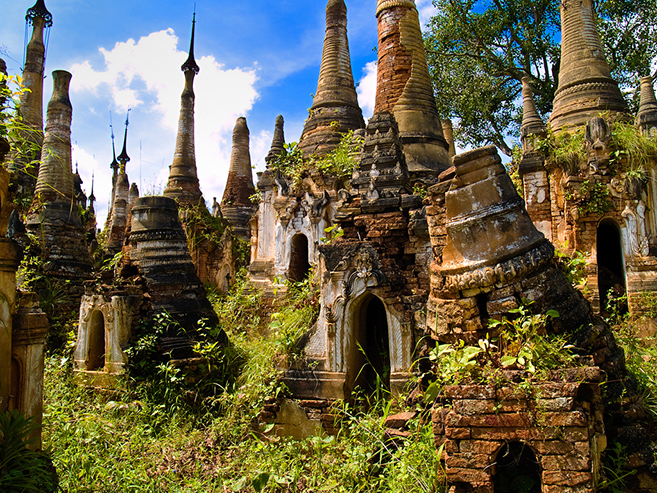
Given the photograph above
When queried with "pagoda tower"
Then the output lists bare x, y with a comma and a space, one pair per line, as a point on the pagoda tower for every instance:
404, 88
277, 143
118, 215
183, 180
53, 217
335, 108
585, 84
236, 205
31, 100
646, 118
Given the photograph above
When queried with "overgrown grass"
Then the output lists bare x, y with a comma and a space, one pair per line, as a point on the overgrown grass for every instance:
133, 442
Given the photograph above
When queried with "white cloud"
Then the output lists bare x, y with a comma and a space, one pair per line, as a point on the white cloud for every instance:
367, 89
145, 75
426, 10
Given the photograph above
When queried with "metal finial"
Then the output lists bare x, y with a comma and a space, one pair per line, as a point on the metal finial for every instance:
123, 157
191, 64
39, 10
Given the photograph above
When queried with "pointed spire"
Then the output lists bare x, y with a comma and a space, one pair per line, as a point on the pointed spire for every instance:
123, 157
532, 124
39, 10
277, 143
335, 108
92, 197
55, 182
236, 204
404, 88
190, 64
585, 84
31, 99
115, 164
646, 118
183, 176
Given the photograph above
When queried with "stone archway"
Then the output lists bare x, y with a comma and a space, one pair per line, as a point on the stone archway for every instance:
611, 263
369, 361
299, 266
516, 469
96, 342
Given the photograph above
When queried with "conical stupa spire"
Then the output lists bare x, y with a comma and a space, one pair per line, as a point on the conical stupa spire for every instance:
277, 143
404, 87
585, 84
55, 180
183, 178
646, 118
31, 100
532, 124
123, 157
236, 204
52, 217
335, 108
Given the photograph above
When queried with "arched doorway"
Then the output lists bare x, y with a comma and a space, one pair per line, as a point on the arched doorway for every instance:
96, 342
299, 265
371, 362
15, 399
611, 265
517, 469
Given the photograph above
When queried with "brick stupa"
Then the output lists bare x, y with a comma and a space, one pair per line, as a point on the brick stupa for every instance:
335, 108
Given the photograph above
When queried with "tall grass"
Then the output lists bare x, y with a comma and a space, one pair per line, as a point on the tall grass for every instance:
131, 443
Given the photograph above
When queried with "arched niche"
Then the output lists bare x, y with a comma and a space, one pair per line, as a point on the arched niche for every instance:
299, 265
611, 262
369, 357
96, 342
516, 469
16, 379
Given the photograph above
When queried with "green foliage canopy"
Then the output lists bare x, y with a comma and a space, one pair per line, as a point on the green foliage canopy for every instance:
479, 50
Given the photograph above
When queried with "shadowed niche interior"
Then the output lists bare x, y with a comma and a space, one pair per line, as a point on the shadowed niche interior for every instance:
96, 348
517, 470
299, 265
611, 269
372, 359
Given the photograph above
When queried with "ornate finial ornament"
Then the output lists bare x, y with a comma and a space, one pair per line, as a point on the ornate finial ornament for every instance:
190, 64
123, 157
39, 10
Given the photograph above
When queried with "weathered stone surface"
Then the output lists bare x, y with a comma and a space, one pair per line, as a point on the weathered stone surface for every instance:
53, 218
404, 88
183, 180
646, 118
585, 84
335, 107
236, 204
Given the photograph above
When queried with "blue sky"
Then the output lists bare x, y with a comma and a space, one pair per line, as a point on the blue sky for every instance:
258, 59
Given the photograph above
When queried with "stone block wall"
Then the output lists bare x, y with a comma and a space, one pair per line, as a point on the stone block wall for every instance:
560, 422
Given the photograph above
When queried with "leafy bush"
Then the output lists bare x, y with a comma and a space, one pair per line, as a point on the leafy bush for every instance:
22, 470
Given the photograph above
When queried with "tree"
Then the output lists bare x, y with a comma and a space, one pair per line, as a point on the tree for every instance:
479, 50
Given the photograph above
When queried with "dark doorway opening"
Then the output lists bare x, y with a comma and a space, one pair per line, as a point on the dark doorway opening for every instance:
373, 349
517, 470
96, 343
299, 265
611, 269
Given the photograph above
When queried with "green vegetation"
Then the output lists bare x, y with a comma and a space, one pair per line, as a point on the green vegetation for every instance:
22, 470
202, 436
338, 163
479, 51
